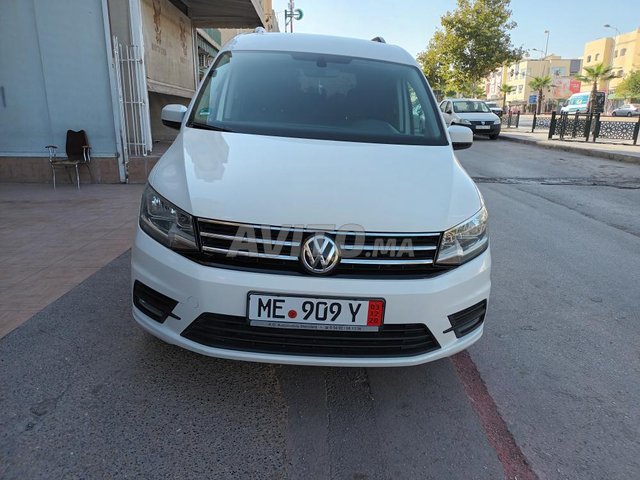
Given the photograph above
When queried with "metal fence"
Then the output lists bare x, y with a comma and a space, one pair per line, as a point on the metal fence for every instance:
588, 126
541, 122
510, 120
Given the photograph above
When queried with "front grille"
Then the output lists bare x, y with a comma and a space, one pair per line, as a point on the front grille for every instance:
235, 333
481, 122
277, 249
467, 320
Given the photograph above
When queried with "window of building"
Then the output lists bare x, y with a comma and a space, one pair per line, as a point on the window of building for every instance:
621, 73
623, 52
597, 56
588, 58
520, 88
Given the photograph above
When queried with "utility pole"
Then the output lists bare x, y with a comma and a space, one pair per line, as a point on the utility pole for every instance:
291, 14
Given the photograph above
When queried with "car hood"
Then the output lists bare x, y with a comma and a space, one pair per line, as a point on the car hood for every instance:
290, 181
481, 116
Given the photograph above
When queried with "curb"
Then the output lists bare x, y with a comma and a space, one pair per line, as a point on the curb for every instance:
619, 157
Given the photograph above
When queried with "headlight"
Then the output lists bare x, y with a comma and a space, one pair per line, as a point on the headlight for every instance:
463, 121
166, 223
465, 241
497, 122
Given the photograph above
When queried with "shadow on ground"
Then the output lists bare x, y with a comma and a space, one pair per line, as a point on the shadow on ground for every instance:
87, 394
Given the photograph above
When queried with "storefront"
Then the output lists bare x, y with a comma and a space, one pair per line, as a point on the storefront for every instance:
103, 66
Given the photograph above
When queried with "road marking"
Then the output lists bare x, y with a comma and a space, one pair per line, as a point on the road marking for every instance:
513, 461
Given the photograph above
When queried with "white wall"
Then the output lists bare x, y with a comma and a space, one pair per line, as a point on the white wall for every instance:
54, 71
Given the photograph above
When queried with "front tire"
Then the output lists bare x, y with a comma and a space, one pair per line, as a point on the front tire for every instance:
614, 114
494, 136
629, 114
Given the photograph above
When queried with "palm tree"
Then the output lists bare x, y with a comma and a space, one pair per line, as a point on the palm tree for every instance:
506, 89
539, 84
598, 73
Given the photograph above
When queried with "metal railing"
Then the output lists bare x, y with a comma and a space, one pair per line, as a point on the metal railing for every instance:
591, 126
134, 109
510, 120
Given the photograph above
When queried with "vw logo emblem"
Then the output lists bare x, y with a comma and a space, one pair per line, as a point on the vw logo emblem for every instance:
320, 254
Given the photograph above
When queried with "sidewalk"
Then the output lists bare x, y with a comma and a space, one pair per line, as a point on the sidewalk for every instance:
610, 150
52, 240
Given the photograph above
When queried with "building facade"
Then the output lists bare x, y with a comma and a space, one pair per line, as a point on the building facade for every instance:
493, 82
621, 52
520, 74
106, 67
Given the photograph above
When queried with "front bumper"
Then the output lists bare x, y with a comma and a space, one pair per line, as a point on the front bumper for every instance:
200, 289
492, 130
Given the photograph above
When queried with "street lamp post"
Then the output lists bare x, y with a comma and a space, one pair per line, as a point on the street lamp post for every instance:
546, 43
613, 53
544, 59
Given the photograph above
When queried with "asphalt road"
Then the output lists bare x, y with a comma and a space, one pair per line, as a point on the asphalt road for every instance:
86, 394
560, 356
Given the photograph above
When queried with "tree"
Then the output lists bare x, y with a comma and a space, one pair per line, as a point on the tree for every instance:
506, 89
630, 86
540, 84
472, 90
435, 71
473, 41
598, 73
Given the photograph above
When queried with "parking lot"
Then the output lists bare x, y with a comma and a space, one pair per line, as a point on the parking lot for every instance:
550, 391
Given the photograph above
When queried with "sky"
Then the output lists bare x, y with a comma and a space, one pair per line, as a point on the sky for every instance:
411, 23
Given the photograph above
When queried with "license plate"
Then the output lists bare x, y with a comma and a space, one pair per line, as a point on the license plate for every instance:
483, 127
293, 311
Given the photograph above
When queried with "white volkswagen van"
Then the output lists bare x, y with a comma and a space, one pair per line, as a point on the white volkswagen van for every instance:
312, 211
578, 102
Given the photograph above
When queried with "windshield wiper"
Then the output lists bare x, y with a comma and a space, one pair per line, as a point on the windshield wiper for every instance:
205, 126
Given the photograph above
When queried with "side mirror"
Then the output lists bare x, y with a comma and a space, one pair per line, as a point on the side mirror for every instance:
172, 115
461, 137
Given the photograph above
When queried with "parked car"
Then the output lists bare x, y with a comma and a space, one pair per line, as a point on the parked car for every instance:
495, 108
579, 102
311, 211
473, 114
627, 110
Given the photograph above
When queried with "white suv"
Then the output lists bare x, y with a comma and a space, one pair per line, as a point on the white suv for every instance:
311, 211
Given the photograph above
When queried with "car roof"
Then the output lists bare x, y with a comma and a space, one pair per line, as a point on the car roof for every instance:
327, 44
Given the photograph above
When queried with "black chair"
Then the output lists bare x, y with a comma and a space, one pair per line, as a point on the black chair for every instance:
78, 153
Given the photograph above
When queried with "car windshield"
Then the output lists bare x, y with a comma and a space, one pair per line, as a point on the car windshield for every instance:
318, 96
470, 106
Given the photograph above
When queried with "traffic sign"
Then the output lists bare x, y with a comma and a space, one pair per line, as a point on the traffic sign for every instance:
533, 99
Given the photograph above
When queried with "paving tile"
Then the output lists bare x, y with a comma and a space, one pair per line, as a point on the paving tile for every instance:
13, 274
54, 239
